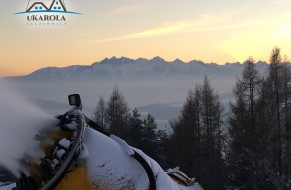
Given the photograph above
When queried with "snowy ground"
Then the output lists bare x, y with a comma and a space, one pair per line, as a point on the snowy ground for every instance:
7, 187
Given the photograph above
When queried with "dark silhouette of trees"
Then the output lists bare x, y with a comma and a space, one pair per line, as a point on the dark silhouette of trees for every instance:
117, 113
249, 148
196, 142
244, 130
150, 140
135, 132
259, 127
100, 114
278, 91
139, 133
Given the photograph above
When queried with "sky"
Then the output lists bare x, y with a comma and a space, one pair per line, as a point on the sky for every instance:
216, 31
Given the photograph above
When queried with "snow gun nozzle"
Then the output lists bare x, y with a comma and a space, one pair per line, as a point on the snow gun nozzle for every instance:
75, 100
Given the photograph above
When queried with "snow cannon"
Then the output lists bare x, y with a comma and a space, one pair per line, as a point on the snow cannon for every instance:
75, 100
62, 166
79, 154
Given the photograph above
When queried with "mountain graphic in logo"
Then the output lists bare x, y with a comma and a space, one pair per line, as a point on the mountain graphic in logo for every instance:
56, 6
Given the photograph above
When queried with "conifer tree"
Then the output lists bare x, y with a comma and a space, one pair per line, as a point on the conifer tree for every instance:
244, 127
150, 144
101, 113
211, 123
117, 113
135, 131
197, 137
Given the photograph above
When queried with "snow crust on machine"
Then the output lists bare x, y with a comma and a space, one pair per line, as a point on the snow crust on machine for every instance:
111, 167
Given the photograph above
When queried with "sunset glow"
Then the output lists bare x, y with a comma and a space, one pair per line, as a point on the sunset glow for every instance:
211, 31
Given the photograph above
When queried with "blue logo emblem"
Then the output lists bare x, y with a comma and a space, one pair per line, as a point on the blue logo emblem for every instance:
56, 6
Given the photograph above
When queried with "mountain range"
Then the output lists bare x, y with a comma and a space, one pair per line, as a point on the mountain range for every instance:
115, 68
153, 85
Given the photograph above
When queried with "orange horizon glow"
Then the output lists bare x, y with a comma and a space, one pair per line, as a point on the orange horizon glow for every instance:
193, 30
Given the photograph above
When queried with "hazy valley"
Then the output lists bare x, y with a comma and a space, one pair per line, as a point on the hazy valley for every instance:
154, 86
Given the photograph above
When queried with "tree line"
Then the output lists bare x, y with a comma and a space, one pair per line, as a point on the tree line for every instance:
259, 127
140, 132
247, 147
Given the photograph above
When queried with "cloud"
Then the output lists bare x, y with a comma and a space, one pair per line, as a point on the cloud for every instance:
204, 22
164, 29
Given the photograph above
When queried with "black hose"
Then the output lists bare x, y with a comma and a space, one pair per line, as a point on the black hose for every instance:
147, 168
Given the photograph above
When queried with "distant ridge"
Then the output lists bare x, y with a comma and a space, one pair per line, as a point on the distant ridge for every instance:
126, 68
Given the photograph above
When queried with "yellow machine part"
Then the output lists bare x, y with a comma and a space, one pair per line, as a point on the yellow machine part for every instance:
76, 180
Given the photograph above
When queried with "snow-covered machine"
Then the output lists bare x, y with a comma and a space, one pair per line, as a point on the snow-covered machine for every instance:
62, 165
62, 153
112, 163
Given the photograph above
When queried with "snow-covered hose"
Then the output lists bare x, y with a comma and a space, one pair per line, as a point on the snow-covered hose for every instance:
129, 151
147, 168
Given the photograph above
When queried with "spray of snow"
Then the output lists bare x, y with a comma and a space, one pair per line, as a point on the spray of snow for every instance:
20, 121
